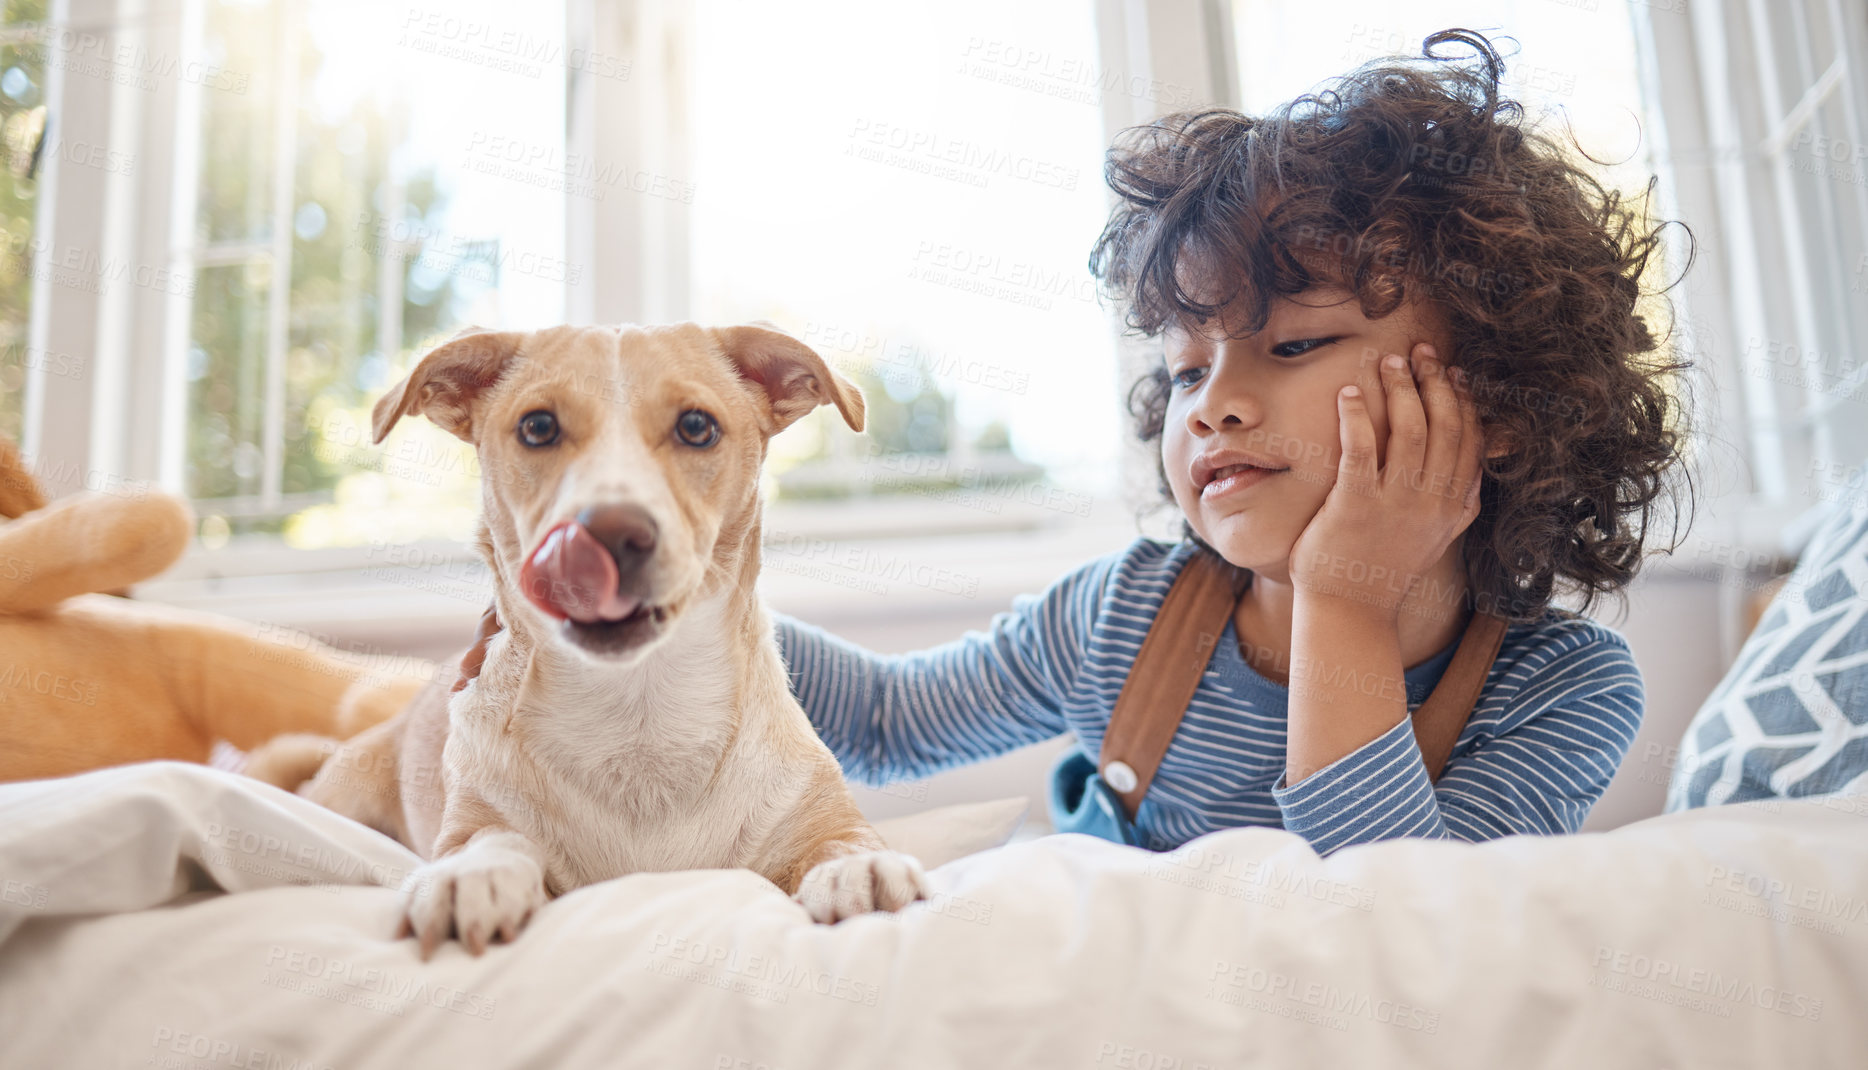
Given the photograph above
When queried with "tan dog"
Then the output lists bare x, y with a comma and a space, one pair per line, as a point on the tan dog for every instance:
634, 715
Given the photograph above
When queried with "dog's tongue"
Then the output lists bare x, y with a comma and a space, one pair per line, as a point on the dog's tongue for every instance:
571, 576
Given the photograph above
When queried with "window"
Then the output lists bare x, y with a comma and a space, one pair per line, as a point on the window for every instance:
1570, 64
316, 189
1765, 118
914, 190
256, 213
373, 190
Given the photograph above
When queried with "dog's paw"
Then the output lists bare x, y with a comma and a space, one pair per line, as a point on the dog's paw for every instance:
482, 892
861, 883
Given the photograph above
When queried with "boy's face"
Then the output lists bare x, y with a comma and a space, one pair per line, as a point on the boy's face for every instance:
1269, 400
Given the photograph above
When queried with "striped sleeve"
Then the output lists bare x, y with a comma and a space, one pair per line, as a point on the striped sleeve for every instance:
1572, 715
905, 716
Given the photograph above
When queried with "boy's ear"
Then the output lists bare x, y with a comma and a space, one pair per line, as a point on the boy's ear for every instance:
444, 385
792, 376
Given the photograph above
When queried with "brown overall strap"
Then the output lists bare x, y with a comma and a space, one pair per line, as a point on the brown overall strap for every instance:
1166, 673
1180, 643
1439, 720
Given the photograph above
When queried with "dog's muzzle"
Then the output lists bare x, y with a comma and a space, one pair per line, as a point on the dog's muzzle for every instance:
578, 573
572, 576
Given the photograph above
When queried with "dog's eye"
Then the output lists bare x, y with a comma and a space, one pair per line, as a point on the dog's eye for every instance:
697, 428
538, 428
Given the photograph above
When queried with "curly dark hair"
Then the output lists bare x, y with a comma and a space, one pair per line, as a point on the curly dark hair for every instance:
1411, 178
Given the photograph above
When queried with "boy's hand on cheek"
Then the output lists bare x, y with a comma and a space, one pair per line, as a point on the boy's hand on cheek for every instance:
1385, 523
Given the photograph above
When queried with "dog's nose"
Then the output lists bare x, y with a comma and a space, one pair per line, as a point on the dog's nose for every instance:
627, 531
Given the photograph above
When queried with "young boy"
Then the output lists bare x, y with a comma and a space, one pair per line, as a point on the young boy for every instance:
1402, 381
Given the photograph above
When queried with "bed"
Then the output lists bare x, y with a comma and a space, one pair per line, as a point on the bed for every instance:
172, 915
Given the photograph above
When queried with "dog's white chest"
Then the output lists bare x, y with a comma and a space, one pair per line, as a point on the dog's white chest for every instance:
609, 781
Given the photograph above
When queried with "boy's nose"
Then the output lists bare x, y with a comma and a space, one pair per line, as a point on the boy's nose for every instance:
1228, 403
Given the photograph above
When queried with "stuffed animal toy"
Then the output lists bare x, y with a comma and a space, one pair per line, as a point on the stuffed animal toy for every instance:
90, 680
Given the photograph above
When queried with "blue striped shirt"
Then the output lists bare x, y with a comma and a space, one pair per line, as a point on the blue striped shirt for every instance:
1558, 712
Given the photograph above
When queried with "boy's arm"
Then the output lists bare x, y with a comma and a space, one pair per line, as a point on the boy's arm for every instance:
1570, 724
904, 716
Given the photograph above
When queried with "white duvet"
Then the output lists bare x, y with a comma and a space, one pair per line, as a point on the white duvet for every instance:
1736, 936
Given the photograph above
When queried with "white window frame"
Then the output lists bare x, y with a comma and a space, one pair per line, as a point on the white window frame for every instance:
1187, 44
96, 430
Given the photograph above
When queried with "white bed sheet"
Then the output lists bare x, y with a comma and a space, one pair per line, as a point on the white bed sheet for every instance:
1736, 936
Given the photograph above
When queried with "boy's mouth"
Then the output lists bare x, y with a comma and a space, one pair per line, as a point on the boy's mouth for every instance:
1222, 470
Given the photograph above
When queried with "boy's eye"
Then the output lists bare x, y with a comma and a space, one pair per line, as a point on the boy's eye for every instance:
1187, 377
1299, 347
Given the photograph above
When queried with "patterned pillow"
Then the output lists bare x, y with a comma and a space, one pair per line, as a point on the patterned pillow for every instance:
1790, 718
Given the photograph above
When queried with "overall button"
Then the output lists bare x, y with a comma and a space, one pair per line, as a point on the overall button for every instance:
1119, 776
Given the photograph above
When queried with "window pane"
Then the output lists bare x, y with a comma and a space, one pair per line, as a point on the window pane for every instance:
396, 241
921, 214
1568, 64
226, 366
236, 159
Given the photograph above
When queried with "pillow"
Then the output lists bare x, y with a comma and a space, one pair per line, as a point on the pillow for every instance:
937, 837
1790, 718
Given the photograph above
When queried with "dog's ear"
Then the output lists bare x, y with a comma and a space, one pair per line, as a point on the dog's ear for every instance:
794, 378
442, 387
